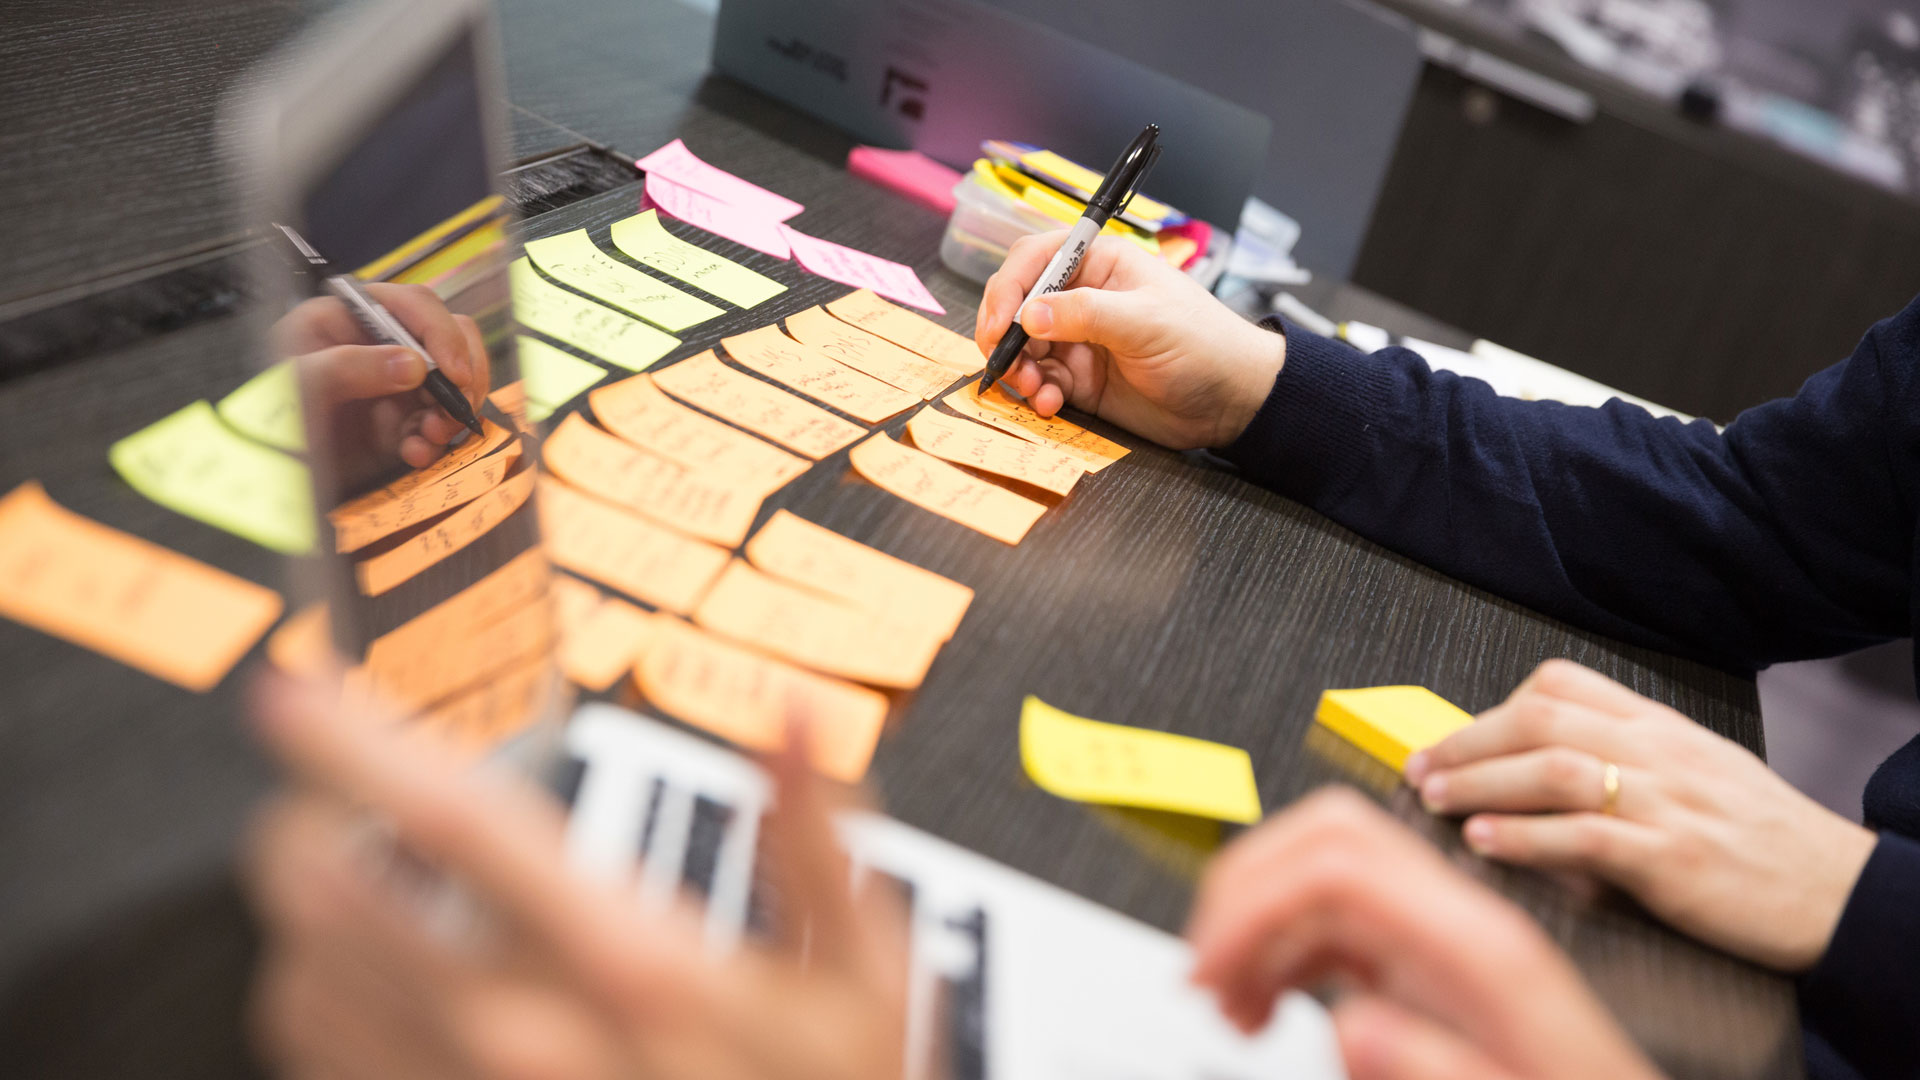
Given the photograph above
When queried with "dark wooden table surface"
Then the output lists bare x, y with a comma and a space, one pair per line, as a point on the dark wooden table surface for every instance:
1165, 593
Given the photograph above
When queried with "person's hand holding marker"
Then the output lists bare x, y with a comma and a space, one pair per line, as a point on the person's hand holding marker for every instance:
376, 388
1133, 341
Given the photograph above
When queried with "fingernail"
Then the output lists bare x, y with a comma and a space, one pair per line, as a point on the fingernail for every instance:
1433, 793
1479, 834
1037, 318
1416, 768
406, 368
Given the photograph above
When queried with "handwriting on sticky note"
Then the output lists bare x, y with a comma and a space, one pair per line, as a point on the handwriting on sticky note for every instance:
455, 644
784, 360
487, 715
1088, 761
934, 485
606, 644
964, 442
551, 378
1392, 723
816, 630
995, 409
747, 698
539, 304
153, 609
415, 496
646, 241
870, 353
375, 515
412, 677
195, 465
800, 426
678, 164
703, 211
623, 551
862, 308
389, 568
266, 408
794, 549
695, 503
860, 270
638, 411
574, 259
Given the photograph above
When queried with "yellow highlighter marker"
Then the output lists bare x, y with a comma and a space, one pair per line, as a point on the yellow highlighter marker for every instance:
1392, 723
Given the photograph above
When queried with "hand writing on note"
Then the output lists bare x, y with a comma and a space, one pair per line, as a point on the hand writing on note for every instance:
1450, 979
569, 976
372, 391
1134, 341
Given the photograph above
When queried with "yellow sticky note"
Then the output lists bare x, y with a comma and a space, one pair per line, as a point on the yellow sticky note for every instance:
575, 259
551, 378
193, 464
539, 304
1088, 761
266, 408
1391, 723
648, 243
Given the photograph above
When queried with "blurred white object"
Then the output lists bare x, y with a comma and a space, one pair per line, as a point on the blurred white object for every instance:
1263, 247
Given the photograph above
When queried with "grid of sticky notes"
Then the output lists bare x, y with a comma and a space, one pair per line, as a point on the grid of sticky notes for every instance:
1390, 723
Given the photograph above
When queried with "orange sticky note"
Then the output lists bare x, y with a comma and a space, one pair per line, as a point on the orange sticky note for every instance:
967, 443
875, 355
412, 676
784, 360
747, 698
794, 549
817, 631
695, 503
454, 532
302, 644
605, 644
800, 426
623, 551
483, 717
573, 599
865, 309
172, 617
932, 484
466, 637
995, 409
639, 412
380, 513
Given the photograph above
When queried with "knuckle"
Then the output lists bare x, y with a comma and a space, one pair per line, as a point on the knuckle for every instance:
1591, 840
1563, 771
1533, 719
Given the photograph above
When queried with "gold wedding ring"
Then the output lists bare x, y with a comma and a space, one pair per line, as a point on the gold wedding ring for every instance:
1610, 789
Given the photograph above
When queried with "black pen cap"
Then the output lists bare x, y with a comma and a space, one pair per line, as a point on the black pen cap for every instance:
1124, 177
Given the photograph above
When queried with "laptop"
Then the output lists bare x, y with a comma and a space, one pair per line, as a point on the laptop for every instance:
1010, 977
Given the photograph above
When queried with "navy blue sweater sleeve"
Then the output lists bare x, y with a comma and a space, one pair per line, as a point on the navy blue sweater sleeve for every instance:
1863, 998
1790, 535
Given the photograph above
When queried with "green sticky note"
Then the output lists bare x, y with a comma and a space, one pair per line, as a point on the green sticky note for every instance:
575, 259
195, 465
541, 305
1088, 761
267, 408
552, 378
649, 243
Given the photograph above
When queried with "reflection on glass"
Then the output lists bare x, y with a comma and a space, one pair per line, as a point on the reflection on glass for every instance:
402, 340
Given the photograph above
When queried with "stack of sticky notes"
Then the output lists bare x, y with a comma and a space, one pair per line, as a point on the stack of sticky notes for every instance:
1391, 723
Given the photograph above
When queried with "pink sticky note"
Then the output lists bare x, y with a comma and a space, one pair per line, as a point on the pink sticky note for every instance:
716, 217
861, 270
676, 163
909, 172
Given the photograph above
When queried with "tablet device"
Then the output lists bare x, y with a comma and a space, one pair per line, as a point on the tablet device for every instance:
369, 152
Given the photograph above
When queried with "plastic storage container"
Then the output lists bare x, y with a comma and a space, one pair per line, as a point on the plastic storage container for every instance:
984, 224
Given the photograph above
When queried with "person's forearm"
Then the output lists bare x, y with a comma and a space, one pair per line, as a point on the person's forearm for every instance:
1641, 528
